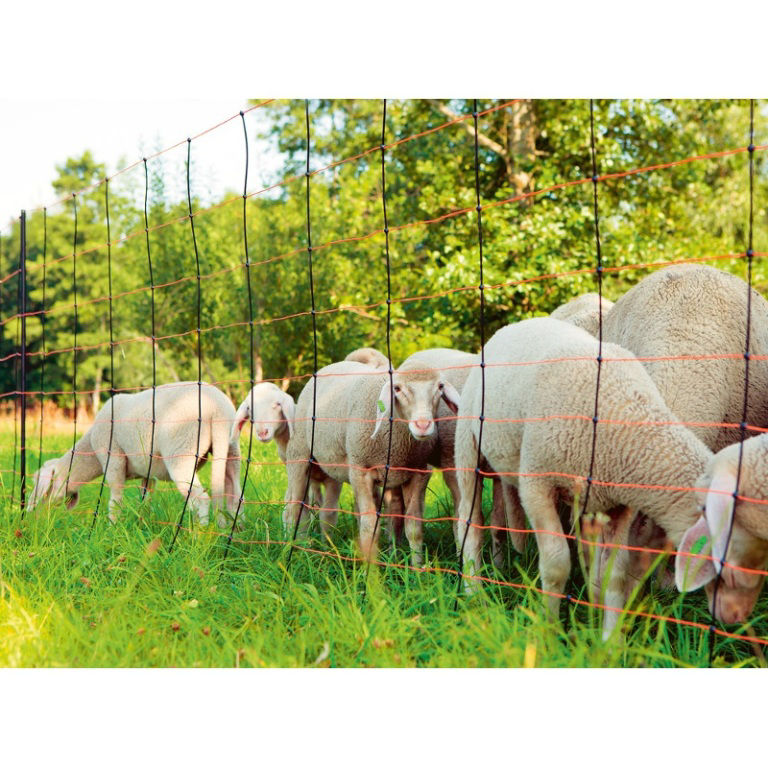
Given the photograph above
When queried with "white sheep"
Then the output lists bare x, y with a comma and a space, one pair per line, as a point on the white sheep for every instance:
173, 449
539, 406
584, 312
455, 366
349, 448
271, 413
748, 546
697, 311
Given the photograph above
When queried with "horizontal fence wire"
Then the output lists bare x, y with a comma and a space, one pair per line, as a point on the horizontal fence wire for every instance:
243, 270
352, 513
363, 307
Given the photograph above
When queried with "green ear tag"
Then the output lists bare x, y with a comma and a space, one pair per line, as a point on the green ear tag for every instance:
698, 545
382, 407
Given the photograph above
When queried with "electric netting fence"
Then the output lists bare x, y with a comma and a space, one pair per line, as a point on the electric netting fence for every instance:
249, 281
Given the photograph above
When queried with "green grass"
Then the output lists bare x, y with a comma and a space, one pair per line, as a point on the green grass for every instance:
113, 596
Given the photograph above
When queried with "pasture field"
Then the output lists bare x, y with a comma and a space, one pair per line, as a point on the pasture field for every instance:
77, 595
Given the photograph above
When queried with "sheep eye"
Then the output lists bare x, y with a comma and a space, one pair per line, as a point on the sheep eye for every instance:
440, 386
397, 387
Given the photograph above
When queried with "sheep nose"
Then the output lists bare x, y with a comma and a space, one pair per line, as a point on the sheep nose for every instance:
423, 425
263, 434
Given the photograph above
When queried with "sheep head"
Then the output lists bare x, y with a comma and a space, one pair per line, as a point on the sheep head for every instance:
269, 410
416, 391
703, 558
50, 484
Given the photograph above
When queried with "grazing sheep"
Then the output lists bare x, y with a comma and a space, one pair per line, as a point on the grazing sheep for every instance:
455, 366
173, 451
368, 356
349, 449
271, 412
584, 312
539, 429
748, 547
695, 310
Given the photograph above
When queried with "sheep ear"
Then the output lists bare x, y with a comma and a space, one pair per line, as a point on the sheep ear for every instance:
719, 511
242, 415
382, 407
694, 572
451, 397
288, 405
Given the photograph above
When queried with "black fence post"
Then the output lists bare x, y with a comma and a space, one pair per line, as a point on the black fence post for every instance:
23, 352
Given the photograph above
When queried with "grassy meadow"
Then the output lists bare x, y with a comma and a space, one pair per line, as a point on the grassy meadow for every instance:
81, 595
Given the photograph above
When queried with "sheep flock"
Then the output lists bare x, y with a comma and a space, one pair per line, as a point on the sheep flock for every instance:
608, 431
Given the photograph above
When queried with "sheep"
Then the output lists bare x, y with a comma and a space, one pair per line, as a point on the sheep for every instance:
538, 435
349, 398
455, 366
696, 310
738, 590
271, 413
173, 449
584, 312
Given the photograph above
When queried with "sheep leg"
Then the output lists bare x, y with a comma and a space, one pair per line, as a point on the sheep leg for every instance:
613, 564
540, 503
467, 530
329, 515
395, 501
180, 472
363, 488
498, 524
232, 493
515, 516
295, 511
414, 515
316, 494
449, 476
115, 479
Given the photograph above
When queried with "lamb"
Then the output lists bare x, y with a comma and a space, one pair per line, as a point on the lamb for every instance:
271, 413
455, 366
538, 435
173, 451
738, 590
695, 310
584, 312
349, 398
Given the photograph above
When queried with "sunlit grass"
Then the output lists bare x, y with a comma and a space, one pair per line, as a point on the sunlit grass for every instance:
77, 594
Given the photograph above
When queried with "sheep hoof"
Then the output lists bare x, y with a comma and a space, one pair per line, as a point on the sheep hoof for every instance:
112, 518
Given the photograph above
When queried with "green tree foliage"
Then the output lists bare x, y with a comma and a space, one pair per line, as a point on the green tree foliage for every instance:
538, 220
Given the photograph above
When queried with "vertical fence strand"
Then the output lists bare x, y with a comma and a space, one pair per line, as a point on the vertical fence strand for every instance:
383, 149
147, 479
23, 358
74, 342
111, 357
307, 176
481, 288
745, 407
199, 355
252, 379
42, 340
